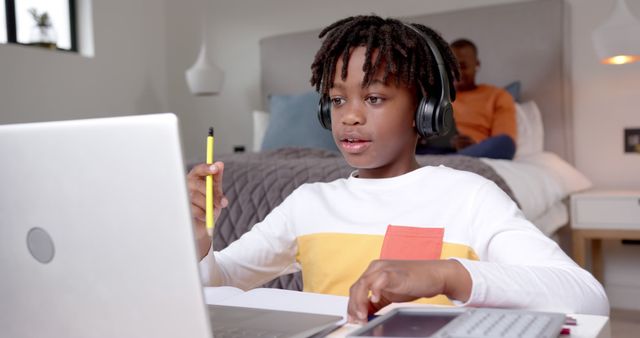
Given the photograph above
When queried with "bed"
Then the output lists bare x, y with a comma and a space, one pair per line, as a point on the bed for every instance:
521, 48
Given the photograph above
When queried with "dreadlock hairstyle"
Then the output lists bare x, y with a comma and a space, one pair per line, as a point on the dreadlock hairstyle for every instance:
405, 54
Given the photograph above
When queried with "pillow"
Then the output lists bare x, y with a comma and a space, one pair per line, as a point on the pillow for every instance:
514, 89
567, 176
539, 181
260, 124
530, 129
294, 123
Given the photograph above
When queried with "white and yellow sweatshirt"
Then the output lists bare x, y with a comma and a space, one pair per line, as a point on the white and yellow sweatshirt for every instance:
332, 231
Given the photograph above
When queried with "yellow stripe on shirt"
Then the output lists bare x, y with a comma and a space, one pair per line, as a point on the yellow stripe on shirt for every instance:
332, 262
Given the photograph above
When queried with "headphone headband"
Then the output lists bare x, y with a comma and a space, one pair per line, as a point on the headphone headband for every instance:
442, 68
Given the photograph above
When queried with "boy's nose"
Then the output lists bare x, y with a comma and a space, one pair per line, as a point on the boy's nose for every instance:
354, 115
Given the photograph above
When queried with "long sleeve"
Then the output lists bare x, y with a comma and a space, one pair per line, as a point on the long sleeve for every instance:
265, 252
520, 267
332, 231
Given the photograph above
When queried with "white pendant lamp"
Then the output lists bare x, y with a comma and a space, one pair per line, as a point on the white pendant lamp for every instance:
204, 78
617, 40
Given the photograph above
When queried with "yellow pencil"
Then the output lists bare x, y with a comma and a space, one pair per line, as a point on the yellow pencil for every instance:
210, 222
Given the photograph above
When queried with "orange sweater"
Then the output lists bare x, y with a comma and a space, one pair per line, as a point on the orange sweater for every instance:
485, 111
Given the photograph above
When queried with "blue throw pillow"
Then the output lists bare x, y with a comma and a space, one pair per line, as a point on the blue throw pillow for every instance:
514, 89
294, 123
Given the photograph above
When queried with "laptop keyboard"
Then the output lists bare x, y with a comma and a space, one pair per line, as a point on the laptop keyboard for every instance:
222, 332
231, 321
490, 324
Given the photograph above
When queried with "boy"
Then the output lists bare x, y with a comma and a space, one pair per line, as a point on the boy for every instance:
457, 234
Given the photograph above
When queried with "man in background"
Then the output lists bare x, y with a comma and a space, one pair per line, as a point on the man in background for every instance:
484, 115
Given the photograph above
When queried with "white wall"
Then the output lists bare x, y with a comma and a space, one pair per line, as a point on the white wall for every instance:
605, 101
126, 76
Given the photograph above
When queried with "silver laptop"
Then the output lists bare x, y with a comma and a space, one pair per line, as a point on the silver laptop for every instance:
96, 237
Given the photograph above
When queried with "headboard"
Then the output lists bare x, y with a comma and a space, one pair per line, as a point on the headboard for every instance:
521, 41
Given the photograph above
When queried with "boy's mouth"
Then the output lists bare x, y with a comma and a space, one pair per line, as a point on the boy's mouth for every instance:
354, 145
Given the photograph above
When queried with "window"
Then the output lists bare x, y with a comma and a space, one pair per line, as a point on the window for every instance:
47, 23
3, 24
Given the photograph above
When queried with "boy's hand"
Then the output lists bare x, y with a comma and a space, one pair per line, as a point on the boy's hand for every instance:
392, 281
197, 192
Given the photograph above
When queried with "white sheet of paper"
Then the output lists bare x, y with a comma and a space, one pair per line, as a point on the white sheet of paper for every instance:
278, 299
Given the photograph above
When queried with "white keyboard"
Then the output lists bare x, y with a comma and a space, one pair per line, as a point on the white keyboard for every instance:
437, 322
490, 323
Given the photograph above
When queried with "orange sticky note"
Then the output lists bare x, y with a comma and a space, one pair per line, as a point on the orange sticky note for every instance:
412, 243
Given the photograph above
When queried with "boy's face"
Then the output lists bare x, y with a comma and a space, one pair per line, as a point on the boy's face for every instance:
469, 63
373, 126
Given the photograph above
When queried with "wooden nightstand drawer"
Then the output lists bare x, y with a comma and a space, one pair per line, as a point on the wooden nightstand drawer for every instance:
609, 210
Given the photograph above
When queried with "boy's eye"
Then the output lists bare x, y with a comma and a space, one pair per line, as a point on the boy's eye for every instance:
336, 101
374, 99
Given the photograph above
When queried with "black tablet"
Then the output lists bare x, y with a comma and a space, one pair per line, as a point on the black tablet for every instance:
408, 322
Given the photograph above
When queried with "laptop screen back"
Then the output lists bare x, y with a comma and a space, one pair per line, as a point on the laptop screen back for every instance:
96, 237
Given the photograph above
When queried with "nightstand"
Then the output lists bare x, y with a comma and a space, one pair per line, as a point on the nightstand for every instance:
602, 214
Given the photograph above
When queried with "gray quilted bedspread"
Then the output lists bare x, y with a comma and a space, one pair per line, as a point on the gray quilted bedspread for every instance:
255, 183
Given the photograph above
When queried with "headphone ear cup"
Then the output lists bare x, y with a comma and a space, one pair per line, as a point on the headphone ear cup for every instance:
424, 117
433, 118
324, 112
444, 118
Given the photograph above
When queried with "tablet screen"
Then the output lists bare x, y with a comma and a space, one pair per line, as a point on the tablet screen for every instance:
408, 324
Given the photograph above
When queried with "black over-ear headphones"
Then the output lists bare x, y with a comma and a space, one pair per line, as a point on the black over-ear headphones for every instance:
433, 114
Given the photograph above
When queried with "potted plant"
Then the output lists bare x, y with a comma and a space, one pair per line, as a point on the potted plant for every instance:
43, 34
